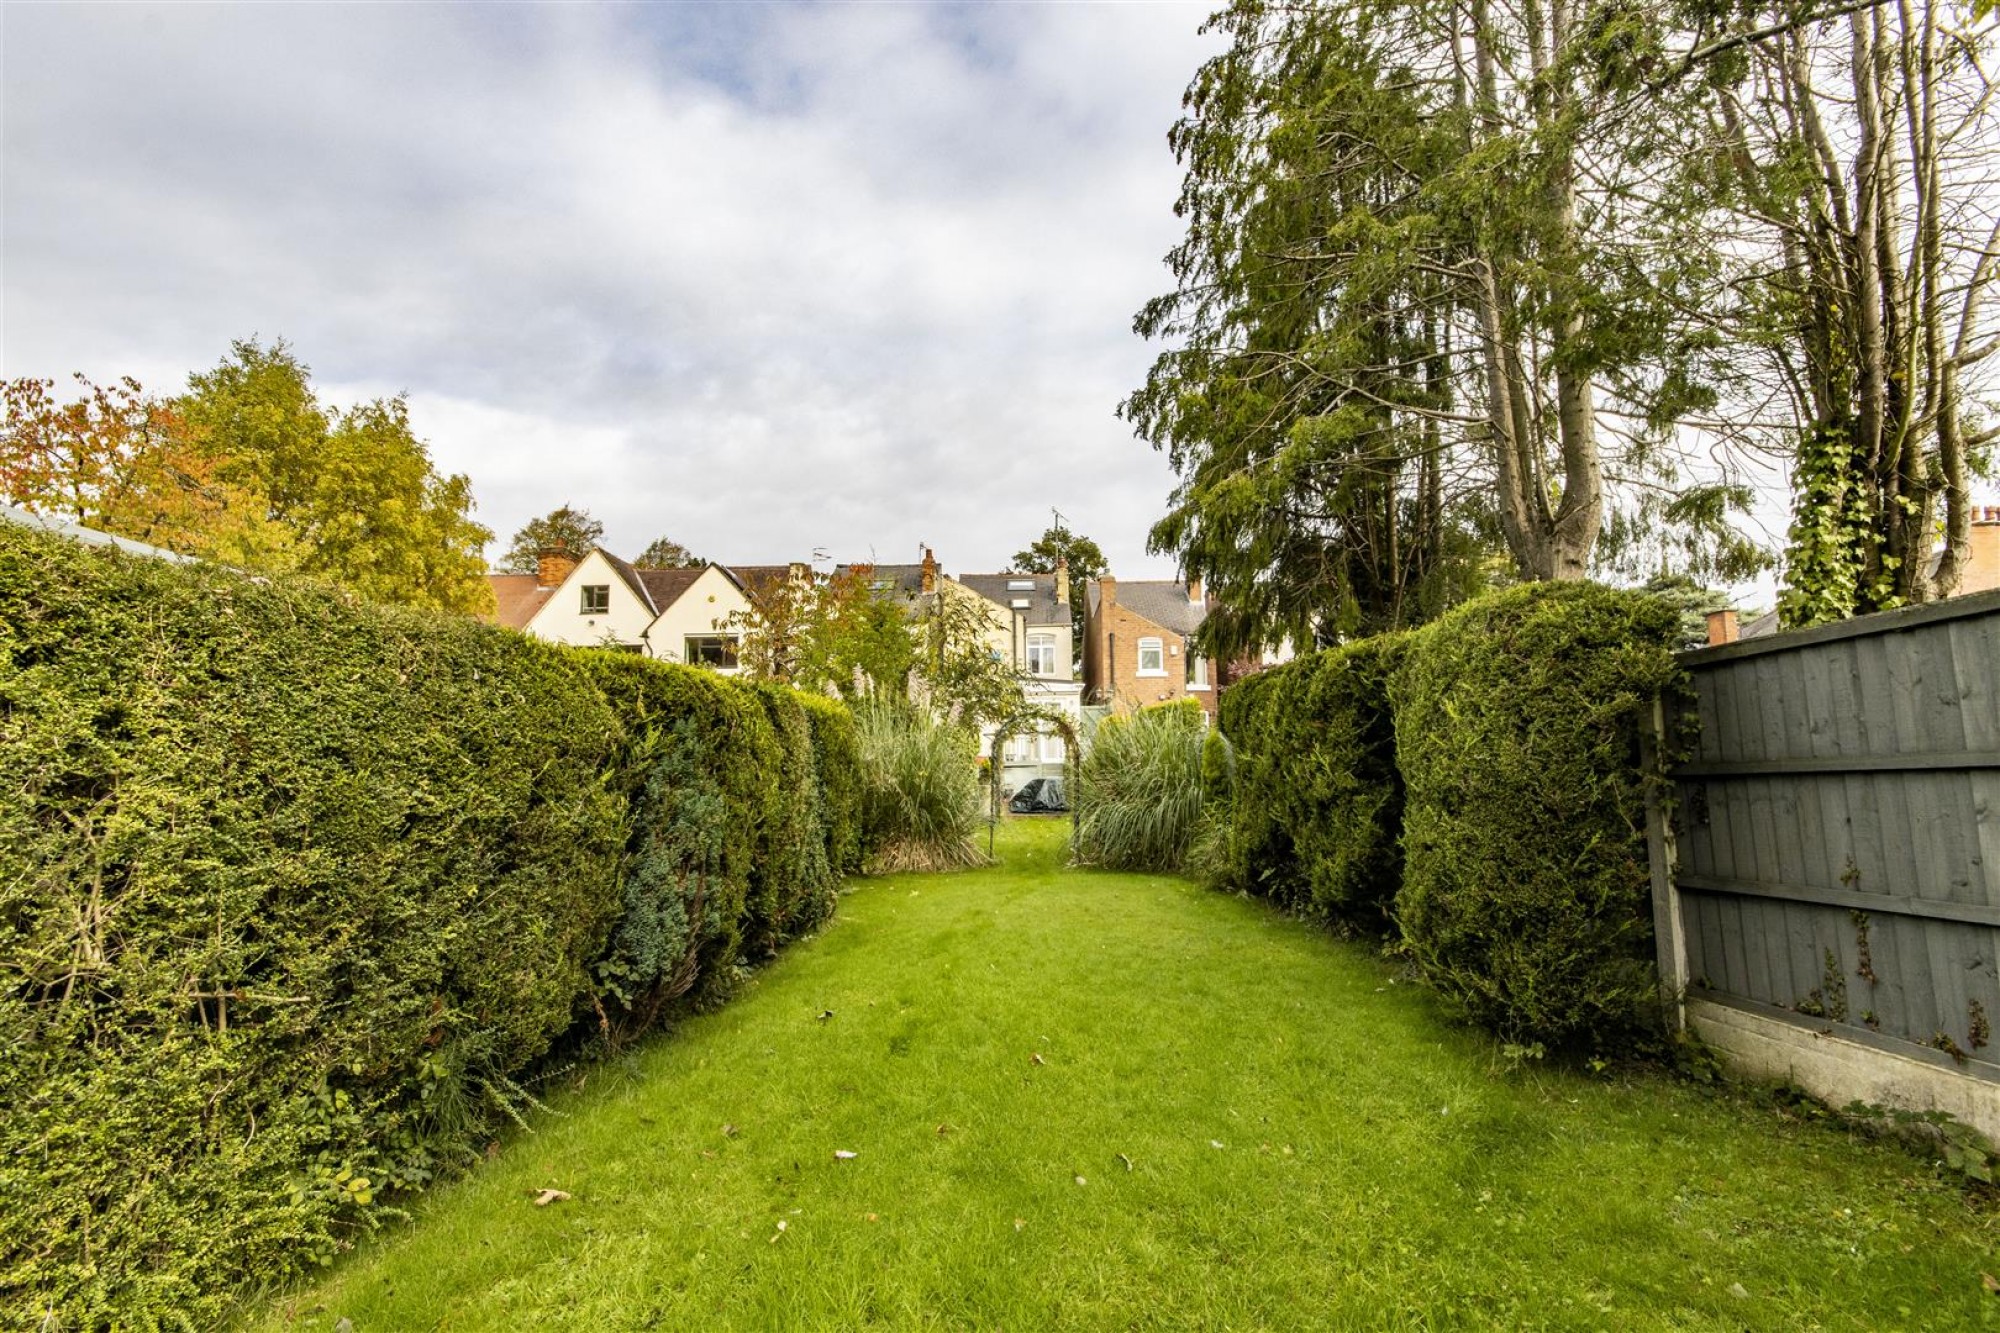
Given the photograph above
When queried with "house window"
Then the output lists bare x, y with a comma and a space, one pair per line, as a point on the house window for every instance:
1020, 749
1197, 670
1052, 749
1152, 658
1041, 654
710, 650
596, 598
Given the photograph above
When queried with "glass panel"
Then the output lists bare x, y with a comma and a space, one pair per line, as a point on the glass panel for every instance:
710, 650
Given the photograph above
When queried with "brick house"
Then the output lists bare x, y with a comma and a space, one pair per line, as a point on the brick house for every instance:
1137, 647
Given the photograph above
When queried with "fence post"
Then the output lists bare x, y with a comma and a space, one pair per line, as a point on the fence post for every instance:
1669, 933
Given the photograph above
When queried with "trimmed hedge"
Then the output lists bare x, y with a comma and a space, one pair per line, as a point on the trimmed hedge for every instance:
697, 766
840, 781
1525, 893
295, 892
1317, 804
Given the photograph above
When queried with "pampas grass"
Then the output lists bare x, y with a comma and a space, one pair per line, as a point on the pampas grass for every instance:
920, 806
1139, 796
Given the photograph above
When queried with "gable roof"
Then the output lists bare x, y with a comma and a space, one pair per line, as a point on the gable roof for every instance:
904, 580
1162, 601
631, 577
667, 586
516, 598
1042, 608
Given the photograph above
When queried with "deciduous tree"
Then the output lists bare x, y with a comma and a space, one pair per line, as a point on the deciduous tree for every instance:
355, 488
666, 553
564, 528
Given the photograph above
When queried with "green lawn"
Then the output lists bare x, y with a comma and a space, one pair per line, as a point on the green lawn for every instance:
1082, 1100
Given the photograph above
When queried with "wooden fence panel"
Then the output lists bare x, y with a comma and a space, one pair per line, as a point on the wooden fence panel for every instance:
1836, 838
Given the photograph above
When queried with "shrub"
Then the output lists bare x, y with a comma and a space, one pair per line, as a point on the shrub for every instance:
1328, 781
1525, 891
290, 890
837, 762
791, 882
920, 791
1139, 793
1254, 854
697, 768
297, 893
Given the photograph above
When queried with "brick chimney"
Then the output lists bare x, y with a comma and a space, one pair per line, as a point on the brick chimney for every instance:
1062, 580
1982, 555
553, 566
1194, 590
929, 584
1107, 588
1722, 627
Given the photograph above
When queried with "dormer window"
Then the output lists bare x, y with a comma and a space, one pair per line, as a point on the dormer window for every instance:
596, 598
1020, 585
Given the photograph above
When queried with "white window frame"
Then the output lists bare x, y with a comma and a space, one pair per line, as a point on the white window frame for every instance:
1197, 665
1020, 749
734, 640
1043, 646
1158, 648
1052, 747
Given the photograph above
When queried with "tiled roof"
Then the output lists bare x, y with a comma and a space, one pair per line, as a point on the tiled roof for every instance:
756, 580
665, 586
906, 580
1162, 601
1042, 608
516, 598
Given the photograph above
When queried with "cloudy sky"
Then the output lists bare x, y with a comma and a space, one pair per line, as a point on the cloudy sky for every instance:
763, 278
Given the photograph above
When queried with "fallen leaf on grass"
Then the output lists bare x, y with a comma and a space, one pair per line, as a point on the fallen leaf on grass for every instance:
826, 1014
1020, 1222
1738, 1290
943, 1130
1036, 1059
729, 1131
1081, 1181
549, 1196
1991, 1283
871, 1217
1128, 1161
779, 1232
843, 1155
1215, 1143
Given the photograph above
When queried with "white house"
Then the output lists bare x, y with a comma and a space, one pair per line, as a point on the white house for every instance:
1031, 631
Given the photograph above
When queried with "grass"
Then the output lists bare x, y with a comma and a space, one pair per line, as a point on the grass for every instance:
1092, 1100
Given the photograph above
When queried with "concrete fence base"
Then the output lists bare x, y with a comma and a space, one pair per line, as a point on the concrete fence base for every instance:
1838, 1070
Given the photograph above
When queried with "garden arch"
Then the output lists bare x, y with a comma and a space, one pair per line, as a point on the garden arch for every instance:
1032, 721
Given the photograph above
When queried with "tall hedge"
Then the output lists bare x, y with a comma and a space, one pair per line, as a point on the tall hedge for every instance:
1525, 890
1254, 854
1318, 800
295, 892
840, 781
792, 882
698, 765
288, 888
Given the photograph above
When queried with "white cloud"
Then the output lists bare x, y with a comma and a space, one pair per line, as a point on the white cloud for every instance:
760, 278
